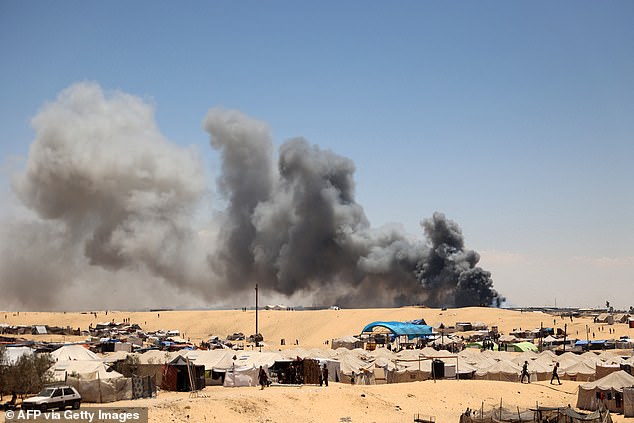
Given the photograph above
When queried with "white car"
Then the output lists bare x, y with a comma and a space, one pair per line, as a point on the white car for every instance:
53, 397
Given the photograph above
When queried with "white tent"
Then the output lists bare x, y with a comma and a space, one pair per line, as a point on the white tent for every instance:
241, 376
502, 370
580, 371
607, 390
73, 352
93, 380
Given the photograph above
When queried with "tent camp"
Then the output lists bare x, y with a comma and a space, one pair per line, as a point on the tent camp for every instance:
607, 391
93, 380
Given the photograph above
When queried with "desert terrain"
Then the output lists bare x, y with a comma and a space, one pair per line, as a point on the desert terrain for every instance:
445, 400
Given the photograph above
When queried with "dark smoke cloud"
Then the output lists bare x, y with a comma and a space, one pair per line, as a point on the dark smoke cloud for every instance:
300, 230
112, 204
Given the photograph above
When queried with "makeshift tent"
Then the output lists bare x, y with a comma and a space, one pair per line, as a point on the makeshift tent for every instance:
216, 363
401, 329
607, 391
501, 370
507, 338
580, 371
621, 318
73, 352
348, 342
93, 380
152, 363
602, 370
410, 370
355, 363
241, 376
523, 346
183, 375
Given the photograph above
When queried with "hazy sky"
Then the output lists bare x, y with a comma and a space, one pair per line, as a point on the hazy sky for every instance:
515, 119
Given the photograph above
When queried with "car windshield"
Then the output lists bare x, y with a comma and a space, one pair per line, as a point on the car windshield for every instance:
46, 392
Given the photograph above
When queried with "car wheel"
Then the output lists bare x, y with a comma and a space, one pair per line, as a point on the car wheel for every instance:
76, 405
44, 408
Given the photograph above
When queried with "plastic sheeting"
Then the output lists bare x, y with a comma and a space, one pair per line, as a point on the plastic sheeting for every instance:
102, 390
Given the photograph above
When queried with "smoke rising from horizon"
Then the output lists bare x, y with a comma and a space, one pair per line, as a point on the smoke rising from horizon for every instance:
112, 196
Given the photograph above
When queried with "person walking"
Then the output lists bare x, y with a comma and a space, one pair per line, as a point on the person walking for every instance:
324, 374
555, 375
525, 373
262, 378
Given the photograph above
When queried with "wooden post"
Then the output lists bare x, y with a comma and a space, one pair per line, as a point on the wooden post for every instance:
256, 315
565, 333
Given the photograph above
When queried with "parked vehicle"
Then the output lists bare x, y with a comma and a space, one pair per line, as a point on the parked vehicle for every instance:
53, 397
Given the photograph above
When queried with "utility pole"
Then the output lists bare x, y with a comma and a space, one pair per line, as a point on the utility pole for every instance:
565, 332
256, 315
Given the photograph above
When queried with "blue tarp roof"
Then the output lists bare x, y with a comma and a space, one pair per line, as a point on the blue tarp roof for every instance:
581, 342
401, 328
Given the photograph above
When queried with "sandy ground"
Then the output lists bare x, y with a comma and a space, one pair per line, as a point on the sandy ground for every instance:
444, 400
310, 328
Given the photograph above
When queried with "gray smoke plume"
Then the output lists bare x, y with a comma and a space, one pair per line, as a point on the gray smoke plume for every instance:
112, 211
299, 230
109, 191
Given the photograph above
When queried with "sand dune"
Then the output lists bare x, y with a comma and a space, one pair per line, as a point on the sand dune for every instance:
311, 328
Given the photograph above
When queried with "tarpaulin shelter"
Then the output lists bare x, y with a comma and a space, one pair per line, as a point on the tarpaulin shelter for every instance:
93, 380
183, 375
348, 342
241, 376
404, 331
607, 391
523, 346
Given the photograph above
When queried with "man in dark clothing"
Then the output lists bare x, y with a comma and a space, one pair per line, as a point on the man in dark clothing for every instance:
263, 378
525, 373
555, 375
324, 374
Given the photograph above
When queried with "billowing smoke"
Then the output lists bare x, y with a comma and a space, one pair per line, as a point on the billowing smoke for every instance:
109, 191
112, 196
298, 228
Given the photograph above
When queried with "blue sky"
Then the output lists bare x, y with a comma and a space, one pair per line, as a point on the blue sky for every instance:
515, 119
